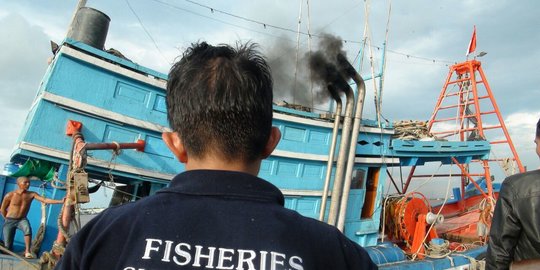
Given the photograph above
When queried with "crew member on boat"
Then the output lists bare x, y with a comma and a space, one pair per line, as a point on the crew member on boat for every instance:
515, 230
14, 209
217, 214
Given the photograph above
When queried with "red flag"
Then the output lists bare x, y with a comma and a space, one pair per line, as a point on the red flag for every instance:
472, 43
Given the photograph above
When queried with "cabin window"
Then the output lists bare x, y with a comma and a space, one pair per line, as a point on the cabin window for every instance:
358, 179
131, 192
122, 194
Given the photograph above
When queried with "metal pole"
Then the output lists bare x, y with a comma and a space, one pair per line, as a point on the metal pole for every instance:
463, 171
139, 146
501, 120
411, 173
392, 180
330, 162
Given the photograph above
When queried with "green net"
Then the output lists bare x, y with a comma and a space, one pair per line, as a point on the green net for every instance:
41, 169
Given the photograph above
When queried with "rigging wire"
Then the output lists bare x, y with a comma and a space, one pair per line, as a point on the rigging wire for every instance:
267, 25
220, 21
367, 38
309, 52
147, 33
341, 15
383, 68
297, 49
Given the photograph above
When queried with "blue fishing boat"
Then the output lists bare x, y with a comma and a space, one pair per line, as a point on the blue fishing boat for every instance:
98, 117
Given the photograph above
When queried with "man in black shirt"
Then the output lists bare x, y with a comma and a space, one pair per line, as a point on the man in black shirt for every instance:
515, 229
218, 214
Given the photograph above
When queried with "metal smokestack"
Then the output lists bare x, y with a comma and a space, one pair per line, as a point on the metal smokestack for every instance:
90, 26
324, 70
330, 163
348, 70
342, 156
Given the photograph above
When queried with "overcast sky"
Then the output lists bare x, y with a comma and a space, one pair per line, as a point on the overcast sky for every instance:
425, 37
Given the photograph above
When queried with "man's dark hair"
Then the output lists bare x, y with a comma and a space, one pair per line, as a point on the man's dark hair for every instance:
219, 98
538, 129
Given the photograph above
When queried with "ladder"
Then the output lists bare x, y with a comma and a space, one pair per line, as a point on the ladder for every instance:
466, 110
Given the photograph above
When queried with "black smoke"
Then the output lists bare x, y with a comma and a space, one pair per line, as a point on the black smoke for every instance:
315, 71
329, 65
282, 60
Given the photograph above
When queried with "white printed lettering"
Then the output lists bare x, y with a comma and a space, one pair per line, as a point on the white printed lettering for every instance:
222, 258
184, 254
296, 265
149, 247
249, 260
274, 259
263, 259
199, 255
167, 252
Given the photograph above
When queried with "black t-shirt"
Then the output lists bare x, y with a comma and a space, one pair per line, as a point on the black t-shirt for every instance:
211, 220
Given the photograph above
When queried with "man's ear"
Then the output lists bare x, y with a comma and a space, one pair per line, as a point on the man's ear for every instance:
175, 144
273, 140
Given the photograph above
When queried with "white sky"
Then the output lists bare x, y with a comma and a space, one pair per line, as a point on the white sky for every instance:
423, 29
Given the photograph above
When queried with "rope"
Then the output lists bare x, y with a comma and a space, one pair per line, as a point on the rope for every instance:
484, 202
438, 251
71, 168
38, 240
467, 246
79, 159
77, 162
55, 180
508, 165
111, 164
47, 258
474, 262
61, 227
411, 130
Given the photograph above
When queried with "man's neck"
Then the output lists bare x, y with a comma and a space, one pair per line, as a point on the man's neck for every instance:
20, 191
213, 163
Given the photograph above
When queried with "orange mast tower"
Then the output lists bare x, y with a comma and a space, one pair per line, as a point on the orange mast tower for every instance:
466, 110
